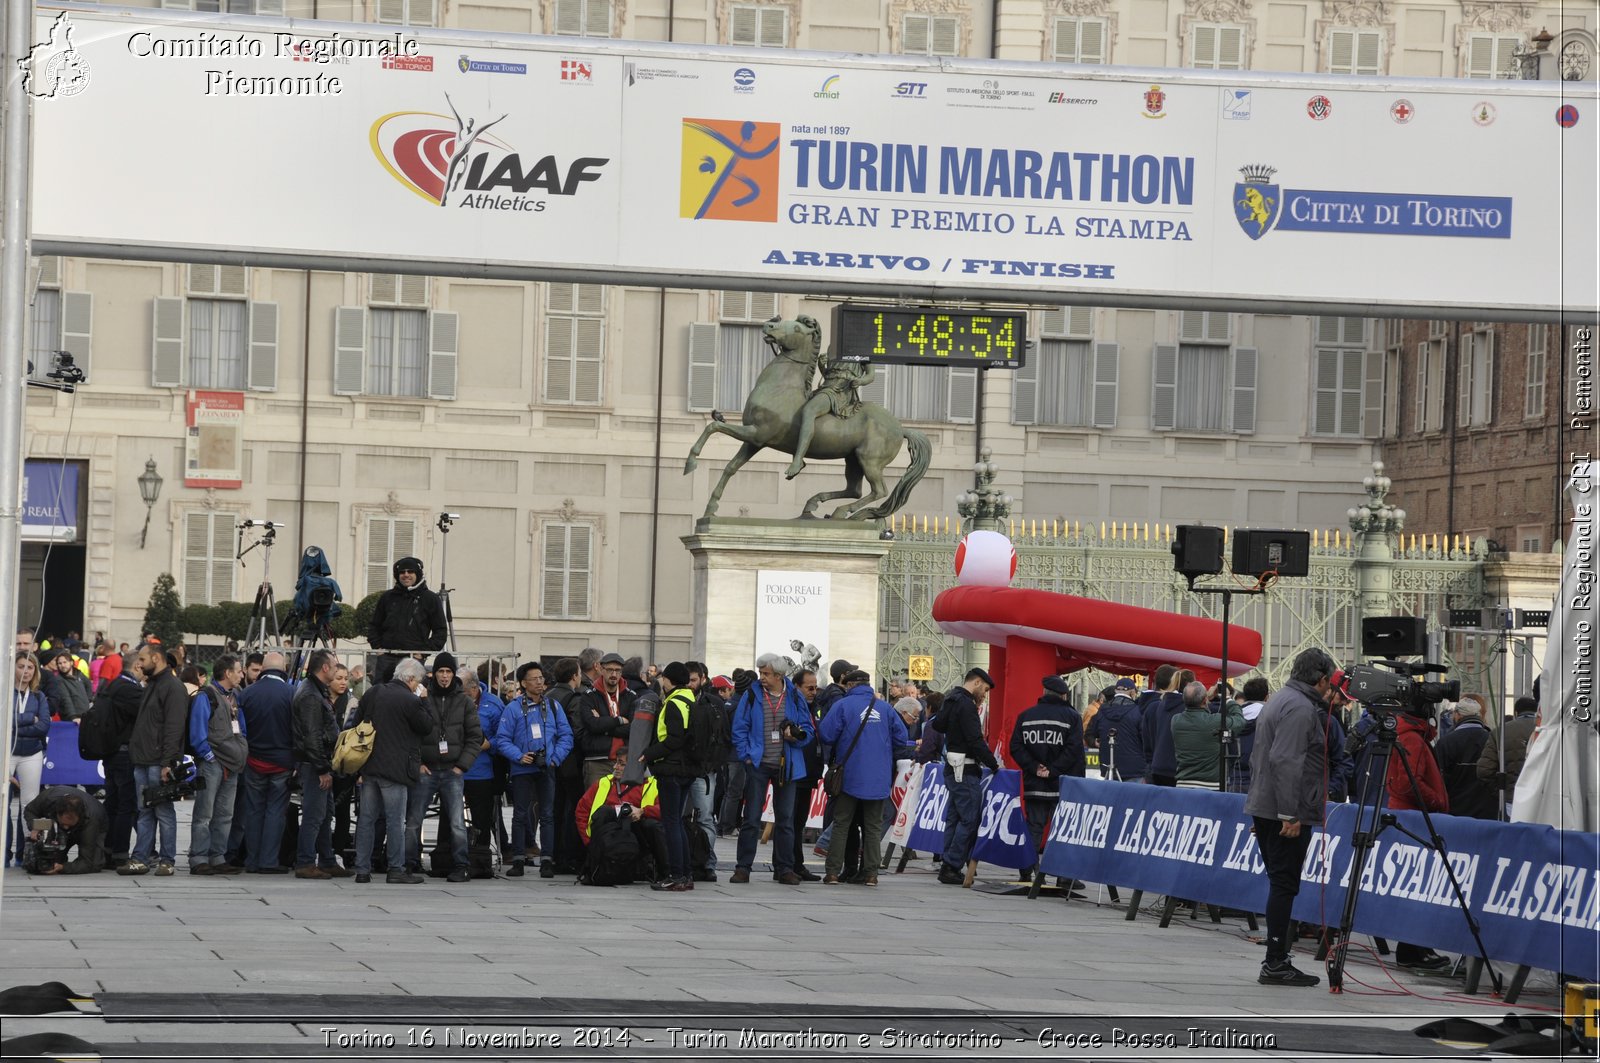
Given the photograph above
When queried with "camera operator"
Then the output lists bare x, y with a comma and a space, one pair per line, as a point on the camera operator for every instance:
80, 821
409, 616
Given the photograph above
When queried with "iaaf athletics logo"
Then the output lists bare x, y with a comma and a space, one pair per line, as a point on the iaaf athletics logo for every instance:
423, 152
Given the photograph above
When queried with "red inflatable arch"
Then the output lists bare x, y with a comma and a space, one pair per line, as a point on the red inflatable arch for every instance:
1032, 634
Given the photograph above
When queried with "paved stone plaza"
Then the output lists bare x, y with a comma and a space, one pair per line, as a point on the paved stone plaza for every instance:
180, 965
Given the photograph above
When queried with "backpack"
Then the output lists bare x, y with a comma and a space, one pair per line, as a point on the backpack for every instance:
481, 860
699, 844
97, 731
354, 746
710, 734
612, 858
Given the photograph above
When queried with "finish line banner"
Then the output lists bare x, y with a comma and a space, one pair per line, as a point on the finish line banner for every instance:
447, 151
1534, 890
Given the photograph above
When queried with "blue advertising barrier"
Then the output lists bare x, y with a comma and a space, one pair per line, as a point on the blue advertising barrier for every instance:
62, 765
1534, 890
1002, 831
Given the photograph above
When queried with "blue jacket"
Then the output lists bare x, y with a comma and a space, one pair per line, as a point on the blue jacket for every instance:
266, 707
490, 710
869, 771
514, 735
1120, 717
32, 725
749, 725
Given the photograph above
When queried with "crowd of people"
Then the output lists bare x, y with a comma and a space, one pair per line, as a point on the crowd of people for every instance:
616, 772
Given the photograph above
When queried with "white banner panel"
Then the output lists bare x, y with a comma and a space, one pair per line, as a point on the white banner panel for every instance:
792, 615
444, 151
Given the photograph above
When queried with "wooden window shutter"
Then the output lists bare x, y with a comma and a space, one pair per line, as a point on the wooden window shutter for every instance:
1092, 41
1369, 52
222, 559
166, 348
204, 280
77, 326
1351, 384
1422, 387
1164, 388
1191, 325
349, 350
588, 359
744, 28
763, 306
569, 18
1203, 52
702, 384
50, 271
1246, 367
1025, 390
876, 390
1065, 46
579, 560
443, 336
914, 35
261, 371
1341, 51
558, 356
1107, 371
197, 559
774, 28
963, 384
944, 37
736, 306
597, 18
1372, 398
1219, 327
1325, 415
413, 290
1230, 48
378, 559
553, 577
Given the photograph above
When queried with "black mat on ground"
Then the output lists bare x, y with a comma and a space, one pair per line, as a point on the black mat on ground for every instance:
1239, 1033
47, 1046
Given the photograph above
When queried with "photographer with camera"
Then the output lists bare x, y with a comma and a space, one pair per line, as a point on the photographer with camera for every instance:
80, 821
771, 726
535, 736
156, 749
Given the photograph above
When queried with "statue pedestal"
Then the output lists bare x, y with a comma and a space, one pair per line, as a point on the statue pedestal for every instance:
728, 554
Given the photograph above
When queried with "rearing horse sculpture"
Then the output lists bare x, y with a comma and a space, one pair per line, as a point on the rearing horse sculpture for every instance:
868, 440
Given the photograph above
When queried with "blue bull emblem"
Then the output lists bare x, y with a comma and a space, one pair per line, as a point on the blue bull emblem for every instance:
1257, 207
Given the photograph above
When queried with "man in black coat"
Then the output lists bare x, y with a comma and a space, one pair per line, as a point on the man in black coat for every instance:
1046, 743
1457, 754
316, 731
154, 747
966, 750
399, 722
409, 616
120, 697
447, 750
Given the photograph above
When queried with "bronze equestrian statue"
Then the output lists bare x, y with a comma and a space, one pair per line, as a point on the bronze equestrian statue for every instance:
782, 409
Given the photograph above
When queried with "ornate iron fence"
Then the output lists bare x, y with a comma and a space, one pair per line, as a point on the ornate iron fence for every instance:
1133, 565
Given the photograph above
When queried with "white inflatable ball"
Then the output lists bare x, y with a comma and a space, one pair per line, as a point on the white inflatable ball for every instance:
985, 559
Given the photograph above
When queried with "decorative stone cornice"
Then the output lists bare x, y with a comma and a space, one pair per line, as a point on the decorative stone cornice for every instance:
1080, 8
1496, 16
1218, 10
391, 505
1357, 12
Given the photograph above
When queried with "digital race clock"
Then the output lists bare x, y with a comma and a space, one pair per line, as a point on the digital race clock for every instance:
929, 336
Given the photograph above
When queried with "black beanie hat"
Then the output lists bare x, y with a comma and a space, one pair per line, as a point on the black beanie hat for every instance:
677, 673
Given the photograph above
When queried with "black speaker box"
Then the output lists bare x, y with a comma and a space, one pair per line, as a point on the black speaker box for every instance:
1393, 637
1197, 550
1283, 553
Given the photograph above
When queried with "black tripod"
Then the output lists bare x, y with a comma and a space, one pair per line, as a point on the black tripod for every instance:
264, 611
1372, 819
445, 521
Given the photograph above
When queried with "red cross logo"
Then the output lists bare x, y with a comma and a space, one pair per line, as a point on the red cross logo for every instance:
1401, 111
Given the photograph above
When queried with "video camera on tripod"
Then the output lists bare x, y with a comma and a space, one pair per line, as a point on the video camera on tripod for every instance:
1396, 686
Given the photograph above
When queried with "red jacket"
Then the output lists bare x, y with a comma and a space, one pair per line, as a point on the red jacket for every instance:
644, 798
1413, 735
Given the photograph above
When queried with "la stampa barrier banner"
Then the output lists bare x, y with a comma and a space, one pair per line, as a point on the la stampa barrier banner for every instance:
1534, 890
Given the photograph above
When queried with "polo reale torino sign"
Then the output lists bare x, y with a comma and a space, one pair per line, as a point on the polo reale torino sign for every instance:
792, 615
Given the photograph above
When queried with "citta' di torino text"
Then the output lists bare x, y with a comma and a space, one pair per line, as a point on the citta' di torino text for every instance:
206, 45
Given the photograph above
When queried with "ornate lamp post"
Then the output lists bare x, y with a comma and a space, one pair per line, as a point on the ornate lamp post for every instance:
1373, 522
150, 491
984, 508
